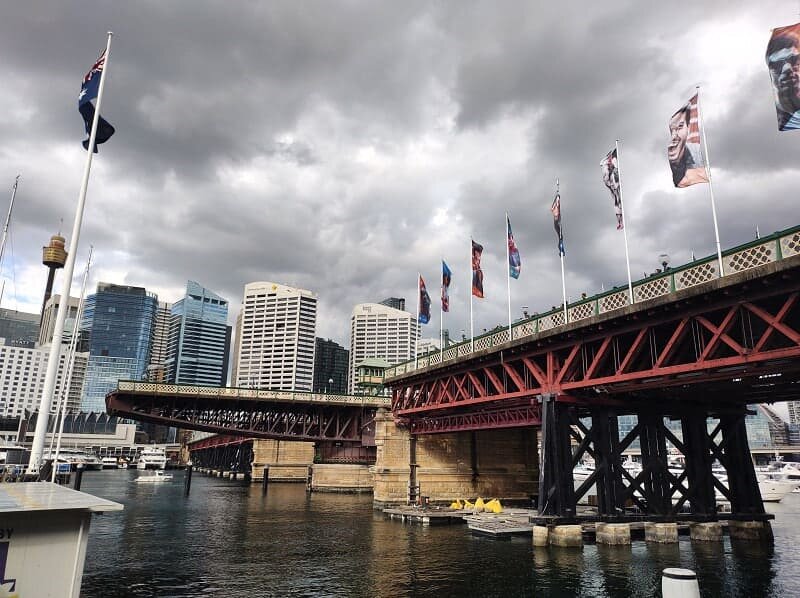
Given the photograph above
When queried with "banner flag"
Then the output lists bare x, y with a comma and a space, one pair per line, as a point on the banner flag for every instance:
556, 210
477, 273
89, 90
514, 260
783, 61
611, 180
684, 152
424, 303
447, 277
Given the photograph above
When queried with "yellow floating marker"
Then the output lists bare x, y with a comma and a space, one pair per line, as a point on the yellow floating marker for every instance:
479, 504
456, 505
494, 506
468, 505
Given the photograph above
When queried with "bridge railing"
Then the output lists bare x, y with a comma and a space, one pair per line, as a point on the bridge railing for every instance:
768, 249
251, 393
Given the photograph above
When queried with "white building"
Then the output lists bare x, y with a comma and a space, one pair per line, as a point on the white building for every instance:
158, 350
48, 325
428, 345
379, 331
794, 411
275, 334
22, 373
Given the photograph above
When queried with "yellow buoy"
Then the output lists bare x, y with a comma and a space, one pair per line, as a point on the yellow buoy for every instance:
456, 505
494, 506
479, 504
468, 505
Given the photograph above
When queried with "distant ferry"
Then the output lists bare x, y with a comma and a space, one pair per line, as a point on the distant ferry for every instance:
152, 457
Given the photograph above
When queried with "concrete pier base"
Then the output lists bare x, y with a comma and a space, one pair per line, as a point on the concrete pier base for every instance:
755, 531
661, 533
613, 534
340, 477
567, 536
540, 535
706, 532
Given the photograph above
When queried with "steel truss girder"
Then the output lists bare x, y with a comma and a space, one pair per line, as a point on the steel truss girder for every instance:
709, 341
512, 417
655, 489
254, 419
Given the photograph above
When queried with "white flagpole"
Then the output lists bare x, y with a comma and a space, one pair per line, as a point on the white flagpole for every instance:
73, 341
5, 232
69, 266
508, 276
416, 338
624, 226
471, 321
441, 315
560, 252
710, 186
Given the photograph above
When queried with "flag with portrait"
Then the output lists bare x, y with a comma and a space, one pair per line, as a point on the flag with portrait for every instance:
611, 179
556, 211
477, 273
424, 303
684, 152
447, 277
783, 62
514, 260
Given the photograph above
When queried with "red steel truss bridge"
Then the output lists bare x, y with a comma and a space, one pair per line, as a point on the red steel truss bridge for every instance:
249, 412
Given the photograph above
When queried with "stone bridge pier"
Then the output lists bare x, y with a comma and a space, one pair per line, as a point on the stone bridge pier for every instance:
500, 464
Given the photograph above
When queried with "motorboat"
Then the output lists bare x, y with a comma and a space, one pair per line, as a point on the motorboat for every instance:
156, 477
152, 457
110, 463
582, 471
774, 487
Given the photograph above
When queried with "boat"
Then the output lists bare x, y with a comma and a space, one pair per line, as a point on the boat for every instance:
110, 463
156, 477
152, 457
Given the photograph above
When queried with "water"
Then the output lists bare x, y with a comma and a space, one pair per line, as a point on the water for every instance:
225, 539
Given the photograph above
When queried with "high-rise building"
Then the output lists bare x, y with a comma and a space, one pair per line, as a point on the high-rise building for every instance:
395, 302
330, 367
198, 349
19, 328
48, 325
22, 373
156, 371
794, 411
119, 321
380, 331
275, 338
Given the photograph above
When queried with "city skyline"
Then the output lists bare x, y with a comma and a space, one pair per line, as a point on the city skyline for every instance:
367, 143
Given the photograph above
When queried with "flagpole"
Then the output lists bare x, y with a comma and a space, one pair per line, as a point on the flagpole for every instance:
416, 338
624, 225
508, 276
710, 185
561, 252
5, 232
73, 341
471, 322
441, 317
69, 266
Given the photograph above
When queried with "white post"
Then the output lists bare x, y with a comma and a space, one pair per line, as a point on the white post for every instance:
710, 185
624, 226
73, 341
508, 275
561, 253
61, 314
441, 316
416, 338
5, 232
469, 286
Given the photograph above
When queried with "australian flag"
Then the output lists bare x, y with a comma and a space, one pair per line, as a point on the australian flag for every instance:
86, 102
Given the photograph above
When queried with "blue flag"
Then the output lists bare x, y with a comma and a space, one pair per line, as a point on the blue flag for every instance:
514, 260
86, 101
424, 303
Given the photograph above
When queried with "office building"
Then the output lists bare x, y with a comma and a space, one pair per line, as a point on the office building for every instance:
119, 322
330, 367
158, 351
22, 374
19, 328
49, 319
197, 351
380, 331
794, 411
394, 302
275, 338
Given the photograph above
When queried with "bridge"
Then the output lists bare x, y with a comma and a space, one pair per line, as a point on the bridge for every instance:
694, 346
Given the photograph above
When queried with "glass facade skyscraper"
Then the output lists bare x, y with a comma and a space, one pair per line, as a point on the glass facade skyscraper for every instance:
118, 321
197, 351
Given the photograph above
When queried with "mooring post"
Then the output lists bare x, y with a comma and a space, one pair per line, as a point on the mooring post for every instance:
187, 482
265, 481
309, 478
78, 476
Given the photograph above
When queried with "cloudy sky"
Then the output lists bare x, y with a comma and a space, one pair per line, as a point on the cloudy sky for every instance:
344, 146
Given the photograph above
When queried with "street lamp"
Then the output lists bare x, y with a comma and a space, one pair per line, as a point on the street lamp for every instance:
330, 383
664, 260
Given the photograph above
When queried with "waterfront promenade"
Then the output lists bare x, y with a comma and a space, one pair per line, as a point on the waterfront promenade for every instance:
226, 539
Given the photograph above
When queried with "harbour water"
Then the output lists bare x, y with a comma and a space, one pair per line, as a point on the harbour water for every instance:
225, 539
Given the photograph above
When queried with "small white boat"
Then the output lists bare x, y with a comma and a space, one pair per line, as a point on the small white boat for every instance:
152, 457
156, 477
110, 463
